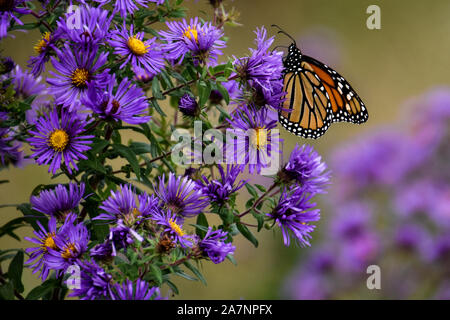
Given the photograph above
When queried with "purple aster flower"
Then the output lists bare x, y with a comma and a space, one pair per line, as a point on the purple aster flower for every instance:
45, 241
271, 99
256, 144
308, 286
102, 251
95, 283
137, 290
439, 249
181, 196
45, 238
125, 7
142, 54
417, 197
202, 41
7, 64
262, 66
172, 226
121, 236
57, 137
26, 84
294, 213
351, 221
44, 48
77, 70
376, 159
93, 26
10, 150
60, 201
8, 9
305, 167
70, 246
122, 204
410, 237
140, 74
219, 191
215, 247
127, 102
358, 243
188, 105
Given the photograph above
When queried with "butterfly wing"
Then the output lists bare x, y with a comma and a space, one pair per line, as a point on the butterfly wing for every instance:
307, 108
317, 96
346, 105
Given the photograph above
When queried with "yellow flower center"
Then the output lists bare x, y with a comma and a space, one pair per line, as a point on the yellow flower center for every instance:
191, 33
40, 46
136, 212
175, 227
80, 77
259, 138
136, 46
48, 242
69, 252
58, 140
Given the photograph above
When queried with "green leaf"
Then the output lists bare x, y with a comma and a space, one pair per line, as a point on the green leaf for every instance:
196, 272
201, 221
9, 227
129, 154
15, 271
247, 234
172, 286
7, 291
224, 93
204, 91
261, 188
156, 271
98, 145
251, 190
42, 290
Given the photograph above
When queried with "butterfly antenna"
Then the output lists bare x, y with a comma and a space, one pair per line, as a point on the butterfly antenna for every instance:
285, 33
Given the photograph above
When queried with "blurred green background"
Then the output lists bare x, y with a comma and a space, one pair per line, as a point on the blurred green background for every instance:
387, 67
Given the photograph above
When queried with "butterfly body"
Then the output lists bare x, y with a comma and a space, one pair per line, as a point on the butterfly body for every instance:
316, 97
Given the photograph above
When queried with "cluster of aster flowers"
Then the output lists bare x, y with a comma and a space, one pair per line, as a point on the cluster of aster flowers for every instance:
391, 209
126, 221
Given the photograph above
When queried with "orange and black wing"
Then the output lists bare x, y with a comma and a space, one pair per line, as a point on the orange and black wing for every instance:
307, 108
317, 96
346, 105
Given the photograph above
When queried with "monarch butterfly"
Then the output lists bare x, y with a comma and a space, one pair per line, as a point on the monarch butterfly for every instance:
316, 96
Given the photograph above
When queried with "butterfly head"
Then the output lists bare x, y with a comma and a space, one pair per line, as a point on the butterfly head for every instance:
293, 58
